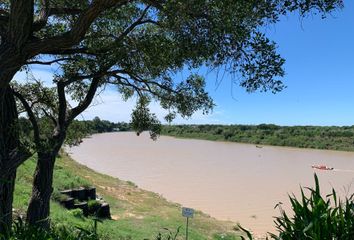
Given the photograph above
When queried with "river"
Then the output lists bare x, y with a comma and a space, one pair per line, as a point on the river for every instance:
229, 181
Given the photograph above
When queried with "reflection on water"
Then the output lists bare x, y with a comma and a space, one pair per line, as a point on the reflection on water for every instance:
229, 181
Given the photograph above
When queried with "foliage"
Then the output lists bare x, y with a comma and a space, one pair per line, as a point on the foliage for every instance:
142, 119
167, 234
77, 213
77, 131
140, 46
22, 231
335, 138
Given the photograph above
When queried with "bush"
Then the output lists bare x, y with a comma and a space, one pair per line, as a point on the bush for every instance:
167, 234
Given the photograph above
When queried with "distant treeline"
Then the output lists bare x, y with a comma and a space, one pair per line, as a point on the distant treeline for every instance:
77, 131
334, 138
97, 125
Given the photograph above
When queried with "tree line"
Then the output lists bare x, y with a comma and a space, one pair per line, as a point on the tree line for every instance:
79, 129
318, 137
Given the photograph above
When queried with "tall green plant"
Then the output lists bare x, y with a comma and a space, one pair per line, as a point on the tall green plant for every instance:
315, 217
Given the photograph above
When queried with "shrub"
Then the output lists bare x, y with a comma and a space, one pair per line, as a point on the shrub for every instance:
167, 234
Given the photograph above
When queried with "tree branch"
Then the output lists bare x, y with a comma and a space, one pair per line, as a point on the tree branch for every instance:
16, 158
64, 11
43, 16
73, 113
94, 75
51, 117
46, 12
31, 117
145, 81
20, 22
4, 21
155, 3
49, 62
77, 32
68, 51
128, 84
4, 12
128, 30
62, 105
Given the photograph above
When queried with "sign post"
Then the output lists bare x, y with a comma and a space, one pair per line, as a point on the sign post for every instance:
187, 213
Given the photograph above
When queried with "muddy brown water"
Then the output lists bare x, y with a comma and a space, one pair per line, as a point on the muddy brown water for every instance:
229, 181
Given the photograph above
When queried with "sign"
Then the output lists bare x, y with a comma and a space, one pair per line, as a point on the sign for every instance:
187, 212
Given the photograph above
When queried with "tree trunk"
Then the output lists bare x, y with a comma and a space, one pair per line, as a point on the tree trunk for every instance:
7, 186
9, 141
39, 206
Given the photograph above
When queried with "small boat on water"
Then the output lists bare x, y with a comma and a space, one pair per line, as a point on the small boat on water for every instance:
322, 167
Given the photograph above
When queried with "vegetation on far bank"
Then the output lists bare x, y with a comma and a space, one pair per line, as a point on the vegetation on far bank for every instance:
317, 137
136, 213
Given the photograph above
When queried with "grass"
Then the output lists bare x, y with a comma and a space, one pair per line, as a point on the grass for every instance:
136, 213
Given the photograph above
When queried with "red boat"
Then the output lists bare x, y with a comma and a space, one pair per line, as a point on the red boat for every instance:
322, 167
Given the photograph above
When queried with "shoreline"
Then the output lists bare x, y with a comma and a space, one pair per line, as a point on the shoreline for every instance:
136, 197
227, 224
232, 142
255, 144
314, 137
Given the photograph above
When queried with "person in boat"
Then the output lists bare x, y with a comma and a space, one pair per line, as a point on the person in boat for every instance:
322, 167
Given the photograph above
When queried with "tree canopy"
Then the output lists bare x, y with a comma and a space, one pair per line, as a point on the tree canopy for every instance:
139, 46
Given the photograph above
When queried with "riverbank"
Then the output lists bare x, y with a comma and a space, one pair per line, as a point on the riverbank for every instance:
136, 213
314, 137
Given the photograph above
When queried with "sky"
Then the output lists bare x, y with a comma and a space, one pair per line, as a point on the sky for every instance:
319, 77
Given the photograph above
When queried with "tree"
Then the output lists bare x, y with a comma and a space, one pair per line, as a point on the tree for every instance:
51, 114
149, 39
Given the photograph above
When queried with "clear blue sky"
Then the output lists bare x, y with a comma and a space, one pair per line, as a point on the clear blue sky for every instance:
319, 68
